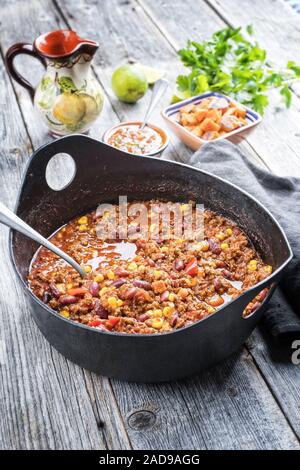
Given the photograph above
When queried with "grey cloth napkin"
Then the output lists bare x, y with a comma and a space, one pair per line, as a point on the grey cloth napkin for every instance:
281, 195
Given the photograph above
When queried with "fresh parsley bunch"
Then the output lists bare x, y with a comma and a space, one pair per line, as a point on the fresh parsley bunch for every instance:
233, 64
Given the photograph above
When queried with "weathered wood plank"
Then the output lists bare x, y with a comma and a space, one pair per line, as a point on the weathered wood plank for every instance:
172, 416
198, 21
283, 378
38, 410
227, 407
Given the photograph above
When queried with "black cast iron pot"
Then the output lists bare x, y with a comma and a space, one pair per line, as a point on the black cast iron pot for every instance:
103, 173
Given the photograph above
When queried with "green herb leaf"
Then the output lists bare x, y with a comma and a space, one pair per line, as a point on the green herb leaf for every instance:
287, 95
231, 63
249, 29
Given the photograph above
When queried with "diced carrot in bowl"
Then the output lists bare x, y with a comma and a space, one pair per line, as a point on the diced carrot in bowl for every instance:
214, 114
201, 114
209, 125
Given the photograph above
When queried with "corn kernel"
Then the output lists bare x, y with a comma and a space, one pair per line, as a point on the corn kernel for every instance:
229, 232
87, 269
211, 309
112, 302
221, 236
61, 288
65, 313
193, 282
179, 241
252, 265
157, 313
164, 249
149, 312
168, 311
157, 323
157, 273
132, 266
82, 228
95, 253
106, 214
119, 303
99, 278
110, 275
224, 246
69, 285
203, 246
172, 297
268, 269
102, 291
83, 220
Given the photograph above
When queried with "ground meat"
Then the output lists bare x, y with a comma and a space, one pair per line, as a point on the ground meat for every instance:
148, 284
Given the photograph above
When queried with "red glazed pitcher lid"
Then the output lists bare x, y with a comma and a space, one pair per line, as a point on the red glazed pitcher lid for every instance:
63, 43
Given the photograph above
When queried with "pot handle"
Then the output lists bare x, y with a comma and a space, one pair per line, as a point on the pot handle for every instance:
244, 299
13, 51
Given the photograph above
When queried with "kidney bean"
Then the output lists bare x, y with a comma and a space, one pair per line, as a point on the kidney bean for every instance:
143, 317
174, 319
121, 272
118, 282
179, 264
236, 231
130, 293
67, 299
262, 295
46, 297
94, 288
175, 282
100, 310
227, 274
217, 284
220, 264
151, 262
214, 246
255, 307
164, 296
143, 284
54, 290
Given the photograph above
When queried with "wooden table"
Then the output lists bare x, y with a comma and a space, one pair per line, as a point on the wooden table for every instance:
250, 401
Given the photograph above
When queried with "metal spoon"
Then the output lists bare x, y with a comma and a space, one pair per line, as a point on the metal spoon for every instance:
159, 89
10, 219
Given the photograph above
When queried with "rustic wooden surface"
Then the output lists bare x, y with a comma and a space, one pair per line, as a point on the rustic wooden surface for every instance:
250, 401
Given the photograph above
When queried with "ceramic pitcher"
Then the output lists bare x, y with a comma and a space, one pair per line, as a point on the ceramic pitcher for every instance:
68, 97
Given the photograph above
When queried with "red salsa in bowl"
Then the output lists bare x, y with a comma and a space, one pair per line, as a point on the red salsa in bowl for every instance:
129, 137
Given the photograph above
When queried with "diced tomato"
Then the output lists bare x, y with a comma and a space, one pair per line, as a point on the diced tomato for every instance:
95, 322
78, 291
192, 267
112, 321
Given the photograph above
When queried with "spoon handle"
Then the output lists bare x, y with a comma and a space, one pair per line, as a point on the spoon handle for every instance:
159, 89
10, 219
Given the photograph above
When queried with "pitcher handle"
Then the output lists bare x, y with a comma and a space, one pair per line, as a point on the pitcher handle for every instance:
13, 51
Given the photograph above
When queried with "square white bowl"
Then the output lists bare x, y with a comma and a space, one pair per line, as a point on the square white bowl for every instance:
171, 116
